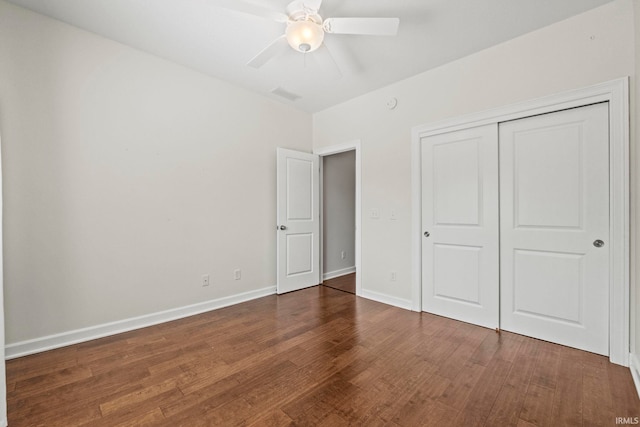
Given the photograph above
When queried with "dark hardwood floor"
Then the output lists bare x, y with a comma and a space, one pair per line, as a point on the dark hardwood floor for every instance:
346, 283
317, 357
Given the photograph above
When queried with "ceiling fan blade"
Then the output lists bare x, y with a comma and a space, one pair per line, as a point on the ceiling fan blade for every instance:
344, 56
251, 9
312, 4
274, 49
330, 60
364, 26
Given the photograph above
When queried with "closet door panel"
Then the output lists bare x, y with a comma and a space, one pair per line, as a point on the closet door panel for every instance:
460, 225
554, 209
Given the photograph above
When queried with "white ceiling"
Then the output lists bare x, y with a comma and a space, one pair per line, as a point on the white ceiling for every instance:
218, 42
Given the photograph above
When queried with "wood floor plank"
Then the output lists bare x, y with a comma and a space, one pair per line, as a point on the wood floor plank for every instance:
151, 418
204, 398
400, 386
82, 398
567, 404
456, 394
274, 418
317, 357
472, 338
537, 406
425, 412
623, 392
486, 350
481, 399
139, 396
506, 409
53, 380
547, 366
596, 394
39, 365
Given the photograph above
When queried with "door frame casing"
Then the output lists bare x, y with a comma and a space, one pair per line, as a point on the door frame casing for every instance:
616, 93
328, 151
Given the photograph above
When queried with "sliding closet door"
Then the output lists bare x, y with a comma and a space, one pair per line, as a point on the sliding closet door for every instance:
554, 210
460, 225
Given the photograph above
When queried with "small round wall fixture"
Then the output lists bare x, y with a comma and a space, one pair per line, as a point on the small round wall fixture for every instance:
392, 103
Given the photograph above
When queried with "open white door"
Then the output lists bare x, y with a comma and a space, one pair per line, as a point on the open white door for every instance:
298, 216
460, 274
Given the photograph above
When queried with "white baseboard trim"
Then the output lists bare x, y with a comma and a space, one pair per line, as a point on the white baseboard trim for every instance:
634, 366
386, 299
338, 273
37, 345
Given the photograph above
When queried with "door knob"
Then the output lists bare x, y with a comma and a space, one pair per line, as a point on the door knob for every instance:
427, 234
598, 243
283, 227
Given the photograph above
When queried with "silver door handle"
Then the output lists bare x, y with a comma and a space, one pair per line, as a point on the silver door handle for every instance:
598, 243
283, 227
427, 234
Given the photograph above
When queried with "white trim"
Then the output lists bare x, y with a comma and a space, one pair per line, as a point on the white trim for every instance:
634, 366
416, 222
3, 372
386, 299
338, 273
341, 148
616, 92
64, 339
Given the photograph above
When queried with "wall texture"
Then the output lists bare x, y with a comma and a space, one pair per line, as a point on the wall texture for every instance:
339, 210
126, 178
590, 48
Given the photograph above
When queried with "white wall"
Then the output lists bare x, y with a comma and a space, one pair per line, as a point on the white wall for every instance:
339, 210
587, 49
127, 177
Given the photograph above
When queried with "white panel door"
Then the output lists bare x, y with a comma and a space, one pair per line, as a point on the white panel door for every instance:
554, 209
460, 225
298, 216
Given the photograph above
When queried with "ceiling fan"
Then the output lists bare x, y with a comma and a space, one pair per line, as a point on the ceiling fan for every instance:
306, 28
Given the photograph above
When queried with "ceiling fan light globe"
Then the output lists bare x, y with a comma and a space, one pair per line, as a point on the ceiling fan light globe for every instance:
304, 36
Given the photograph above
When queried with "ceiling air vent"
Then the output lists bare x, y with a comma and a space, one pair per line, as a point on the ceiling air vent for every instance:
285, 94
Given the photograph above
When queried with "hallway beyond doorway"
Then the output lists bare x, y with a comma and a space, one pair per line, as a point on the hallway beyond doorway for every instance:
346, 283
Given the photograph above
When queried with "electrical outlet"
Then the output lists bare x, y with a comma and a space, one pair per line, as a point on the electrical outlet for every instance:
393, 276
237, 274
343, 255
205, 280
375, 213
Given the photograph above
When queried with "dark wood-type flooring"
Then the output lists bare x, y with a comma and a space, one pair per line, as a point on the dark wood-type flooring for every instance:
346, 283
317, 357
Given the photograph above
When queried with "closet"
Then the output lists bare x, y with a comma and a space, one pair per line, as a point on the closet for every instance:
515, 223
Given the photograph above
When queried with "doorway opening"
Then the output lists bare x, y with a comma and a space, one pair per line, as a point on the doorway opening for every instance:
340, 217
339, 221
